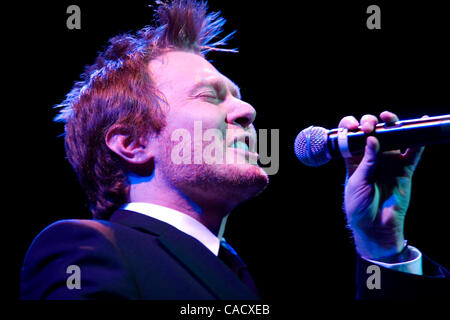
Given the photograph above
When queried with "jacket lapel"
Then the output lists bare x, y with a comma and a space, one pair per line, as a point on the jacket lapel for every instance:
206, 267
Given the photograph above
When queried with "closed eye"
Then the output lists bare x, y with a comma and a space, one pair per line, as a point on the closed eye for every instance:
209, 94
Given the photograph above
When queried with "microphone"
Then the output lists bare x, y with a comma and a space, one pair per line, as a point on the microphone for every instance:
315, 146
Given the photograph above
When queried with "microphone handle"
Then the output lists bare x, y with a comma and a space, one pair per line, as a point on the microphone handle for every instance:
401, 134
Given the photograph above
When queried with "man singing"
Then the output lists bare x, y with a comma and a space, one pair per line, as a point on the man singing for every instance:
158, 223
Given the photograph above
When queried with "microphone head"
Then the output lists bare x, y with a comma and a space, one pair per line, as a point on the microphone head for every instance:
311, 146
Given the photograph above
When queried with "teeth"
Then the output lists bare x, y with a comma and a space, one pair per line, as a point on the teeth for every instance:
240, 145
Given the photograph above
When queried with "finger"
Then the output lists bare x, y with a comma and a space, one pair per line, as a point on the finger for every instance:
349, 122
368, 123
364, 172
412, 155
388, 117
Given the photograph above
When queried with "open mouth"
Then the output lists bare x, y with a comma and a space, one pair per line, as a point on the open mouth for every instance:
244, 146
241, 143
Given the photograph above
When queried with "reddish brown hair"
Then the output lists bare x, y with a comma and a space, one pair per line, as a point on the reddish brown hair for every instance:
117, 90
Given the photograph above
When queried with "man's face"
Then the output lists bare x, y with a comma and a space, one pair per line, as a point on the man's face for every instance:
202, 101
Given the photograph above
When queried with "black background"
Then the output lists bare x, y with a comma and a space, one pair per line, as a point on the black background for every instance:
300, 64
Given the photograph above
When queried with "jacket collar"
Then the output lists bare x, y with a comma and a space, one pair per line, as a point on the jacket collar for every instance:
191, 253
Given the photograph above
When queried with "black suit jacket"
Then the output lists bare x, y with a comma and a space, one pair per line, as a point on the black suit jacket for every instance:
133, 256
433, 284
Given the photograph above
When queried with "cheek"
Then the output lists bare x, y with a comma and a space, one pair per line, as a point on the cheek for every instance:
197, 119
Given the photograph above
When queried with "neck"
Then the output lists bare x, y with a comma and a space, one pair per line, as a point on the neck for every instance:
207, 211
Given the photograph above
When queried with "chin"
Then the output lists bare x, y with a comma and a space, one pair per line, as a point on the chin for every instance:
250, 174
234, 183
243, 180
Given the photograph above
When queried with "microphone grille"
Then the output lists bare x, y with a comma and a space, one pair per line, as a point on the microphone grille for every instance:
311, 146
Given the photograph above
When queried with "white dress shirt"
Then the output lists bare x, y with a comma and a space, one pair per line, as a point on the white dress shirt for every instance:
413, 266
179, 220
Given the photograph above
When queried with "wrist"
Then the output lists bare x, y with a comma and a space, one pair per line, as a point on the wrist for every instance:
380, 248
402, 256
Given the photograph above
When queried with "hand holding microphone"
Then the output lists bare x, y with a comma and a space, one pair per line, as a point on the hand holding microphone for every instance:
377, 191
378, 186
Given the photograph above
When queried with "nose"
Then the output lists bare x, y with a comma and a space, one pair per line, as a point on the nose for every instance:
241, 113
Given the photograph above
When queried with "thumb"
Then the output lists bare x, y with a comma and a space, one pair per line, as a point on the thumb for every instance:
366, 168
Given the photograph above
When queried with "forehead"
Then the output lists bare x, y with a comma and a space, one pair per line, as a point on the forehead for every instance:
181, 70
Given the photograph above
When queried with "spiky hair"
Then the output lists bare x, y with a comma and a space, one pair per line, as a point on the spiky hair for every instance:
117, 89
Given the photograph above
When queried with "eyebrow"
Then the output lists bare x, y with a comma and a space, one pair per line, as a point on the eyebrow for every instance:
218, 83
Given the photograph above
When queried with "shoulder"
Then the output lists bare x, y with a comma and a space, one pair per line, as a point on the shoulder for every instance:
75, 227
72, 233
65, 235
81, 226
89, 244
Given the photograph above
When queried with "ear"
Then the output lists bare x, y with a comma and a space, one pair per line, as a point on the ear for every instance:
133, 151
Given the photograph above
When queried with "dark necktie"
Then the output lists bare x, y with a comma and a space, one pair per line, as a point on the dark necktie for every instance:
229, 256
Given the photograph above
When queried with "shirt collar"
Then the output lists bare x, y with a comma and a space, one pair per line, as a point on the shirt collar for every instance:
179, 220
